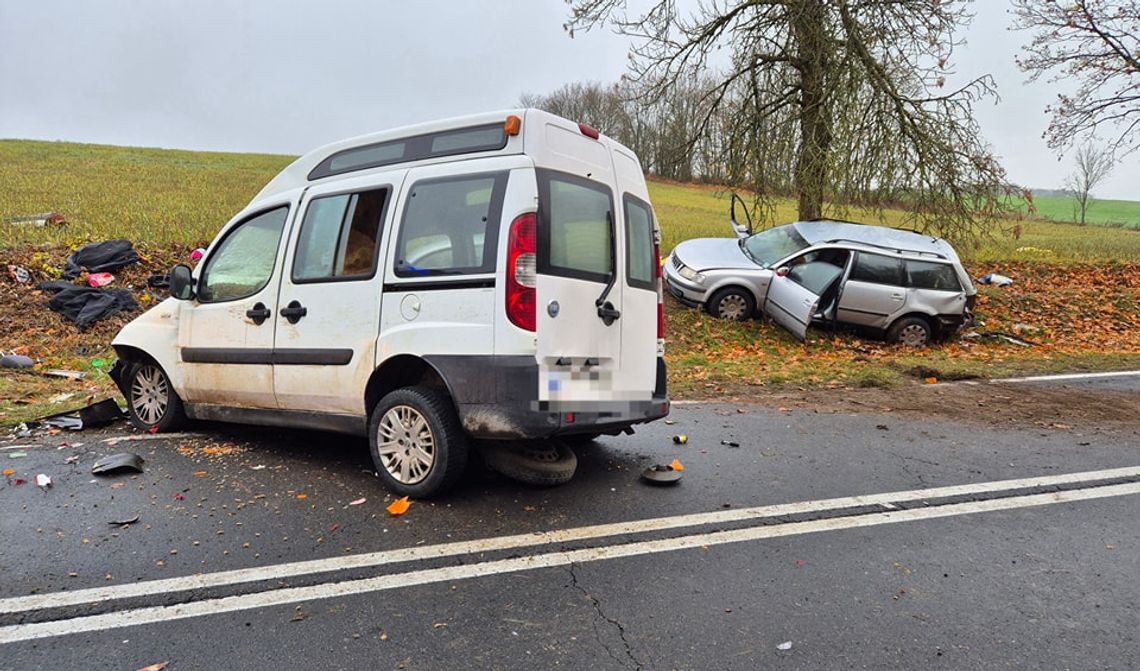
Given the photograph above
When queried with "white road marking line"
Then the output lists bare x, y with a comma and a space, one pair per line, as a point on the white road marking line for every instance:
1070, 376
371, 559
291, 595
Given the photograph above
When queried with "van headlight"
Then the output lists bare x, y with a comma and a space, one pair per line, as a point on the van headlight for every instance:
690, 274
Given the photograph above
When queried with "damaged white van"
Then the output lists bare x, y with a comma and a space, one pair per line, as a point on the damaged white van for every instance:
493, 276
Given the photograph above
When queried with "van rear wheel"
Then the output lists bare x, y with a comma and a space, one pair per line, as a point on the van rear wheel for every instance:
417, 444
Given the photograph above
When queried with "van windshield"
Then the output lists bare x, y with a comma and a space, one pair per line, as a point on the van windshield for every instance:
768, 247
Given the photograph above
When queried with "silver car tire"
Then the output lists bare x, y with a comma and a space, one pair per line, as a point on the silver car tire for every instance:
732, 303
911, 332
417, 445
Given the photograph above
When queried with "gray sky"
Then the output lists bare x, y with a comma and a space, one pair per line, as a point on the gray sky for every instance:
284, 76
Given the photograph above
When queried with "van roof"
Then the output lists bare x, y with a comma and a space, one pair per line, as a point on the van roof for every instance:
434, 141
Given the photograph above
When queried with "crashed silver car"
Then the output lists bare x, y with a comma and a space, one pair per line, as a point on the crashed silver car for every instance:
910, 287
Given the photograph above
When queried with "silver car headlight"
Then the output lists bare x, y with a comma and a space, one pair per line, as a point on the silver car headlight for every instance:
690, 274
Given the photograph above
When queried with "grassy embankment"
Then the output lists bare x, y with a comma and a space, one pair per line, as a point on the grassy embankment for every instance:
1076, 294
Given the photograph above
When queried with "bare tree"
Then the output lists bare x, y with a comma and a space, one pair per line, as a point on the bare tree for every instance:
1095, 43
851, 90
1093, 165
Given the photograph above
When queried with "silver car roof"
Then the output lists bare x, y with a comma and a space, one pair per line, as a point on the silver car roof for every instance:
822, 231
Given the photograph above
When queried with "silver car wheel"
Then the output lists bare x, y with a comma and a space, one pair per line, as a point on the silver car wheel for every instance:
733, 306
406, 444
150, 394
914, 335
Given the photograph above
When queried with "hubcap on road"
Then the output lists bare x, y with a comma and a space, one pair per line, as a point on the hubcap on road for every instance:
406, 444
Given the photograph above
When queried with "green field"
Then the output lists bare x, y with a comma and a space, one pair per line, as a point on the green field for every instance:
1114, 213
172, 196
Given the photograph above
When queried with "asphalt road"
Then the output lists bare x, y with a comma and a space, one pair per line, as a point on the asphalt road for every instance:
822, 541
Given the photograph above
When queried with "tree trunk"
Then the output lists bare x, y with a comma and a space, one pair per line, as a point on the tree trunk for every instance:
809, 30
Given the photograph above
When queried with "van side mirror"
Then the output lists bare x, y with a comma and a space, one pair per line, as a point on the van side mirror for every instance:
181, 282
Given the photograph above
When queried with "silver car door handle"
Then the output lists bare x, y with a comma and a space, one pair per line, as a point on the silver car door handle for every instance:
897, 297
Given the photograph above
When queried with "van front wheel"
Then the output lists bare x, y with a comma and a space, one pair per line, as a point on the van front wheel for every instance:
417, 444
152, 403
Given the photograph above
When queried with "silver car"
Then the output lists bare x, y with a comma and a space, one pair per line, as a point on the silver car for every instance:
908, 286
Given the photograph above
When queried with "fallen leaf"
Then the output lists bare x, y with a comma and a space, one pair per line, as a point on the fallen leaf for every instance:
302, 497
200, 474
399, 507
9, 472
116, 485
334, 528
931, 380
357, 502
677, 465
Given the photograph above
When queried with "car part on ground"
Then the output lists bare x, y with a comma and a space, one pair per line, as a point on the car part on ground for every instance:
539, 463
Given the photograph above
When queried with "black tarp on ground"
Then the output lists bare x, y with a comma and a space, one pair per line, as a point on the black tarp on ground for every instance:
87, 305
100, 257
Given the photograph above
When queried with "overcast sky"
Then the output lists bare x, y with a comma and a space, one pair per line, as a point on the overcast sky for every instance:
283, 76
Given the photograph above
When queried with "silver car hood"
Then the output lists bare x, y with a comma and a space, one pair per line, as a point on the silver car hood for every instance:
713, 253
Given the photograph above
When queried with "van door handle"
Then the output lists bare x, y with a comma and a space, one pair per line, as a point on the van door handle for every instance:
608, 313
258, 313
294, 311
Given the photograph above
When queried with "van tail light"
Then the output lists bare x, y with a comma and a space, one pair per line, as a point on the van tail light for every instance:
589, 131
522, 276
660, 293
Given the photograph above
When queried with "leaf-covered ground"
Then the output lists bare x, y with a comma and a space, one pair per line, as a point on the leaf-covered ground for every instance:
1072, 317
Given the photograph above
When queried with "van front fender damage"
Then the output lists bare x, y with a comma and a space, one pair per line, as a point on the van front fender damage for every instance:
497, 398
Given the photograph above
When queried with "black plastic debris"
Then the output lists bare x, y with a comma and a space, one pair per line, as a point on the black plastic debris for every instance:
124, 522
99, 257
16, 361
124, 461
158, 281
65, 422
662, 474
87, 305
730, 443
101, 414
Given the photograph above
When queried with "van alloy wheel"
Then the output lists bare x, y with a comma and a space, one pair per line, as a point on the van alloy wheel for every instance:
153, 401
406, 444
417, 444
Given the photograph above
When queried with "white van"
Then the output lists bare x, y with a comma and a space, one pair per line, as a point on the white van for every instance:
493, 276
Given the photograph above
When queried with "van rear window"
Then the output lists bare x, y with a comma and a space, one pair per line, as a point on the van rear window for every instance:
640, 260
575, 227
489, 137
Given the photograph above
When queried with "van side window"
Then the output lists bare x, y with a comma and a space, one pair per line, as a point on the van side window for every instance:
640, 260
451, 226
338, 236
243, 263
877, 269
928, 275
575, 229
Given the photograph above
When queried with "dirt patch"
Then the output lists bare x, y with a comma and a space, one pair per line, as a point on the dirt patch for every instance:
991, 404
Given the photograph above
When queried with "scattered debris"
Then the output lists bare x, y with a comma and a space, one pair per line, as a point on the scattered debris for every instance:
124, 522
680, 439
99, 257
17, 455
259, 467
117, 463
670, 422
730, 443
997, 335
97, 280
45, 219
995, 279
43, 481
67, 422
197, 254
9, 472
357, 502
71, 374
882, 427
399, 506
72, 459
16, 361
86, 305
786, 645
661, 474
931, 380
115, 440
19, 274
158, 281
677, 465
155, 667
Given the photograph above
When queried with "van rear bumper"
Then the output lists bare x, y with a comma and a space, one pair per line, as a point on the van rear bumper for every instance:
497, 398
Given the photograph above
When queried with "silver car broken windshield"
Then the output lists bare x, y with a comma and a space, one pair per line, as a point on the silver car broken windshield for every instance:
768, 247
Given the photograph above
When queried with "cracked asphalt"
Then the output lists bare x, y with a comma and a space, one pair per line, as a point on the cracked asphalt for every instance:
1050, 586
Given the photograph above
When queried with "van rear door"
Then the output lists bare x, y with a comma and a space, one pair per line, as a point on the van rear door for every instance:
579, 294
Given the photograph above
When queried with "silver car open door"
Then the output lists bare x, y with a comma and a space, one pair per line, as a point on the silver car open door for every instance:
790, 305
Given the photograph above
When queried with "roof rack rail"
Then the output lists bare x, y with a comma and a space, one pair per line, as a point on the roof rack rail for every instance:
897, 250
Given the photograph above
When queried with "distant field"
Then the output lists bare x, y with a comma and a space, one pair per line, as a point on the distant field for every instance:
1118, 213
173, 196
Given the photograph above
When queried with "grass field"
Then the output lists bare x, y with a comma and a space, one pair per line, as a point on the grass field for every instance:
1076, 296
1114, 213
